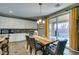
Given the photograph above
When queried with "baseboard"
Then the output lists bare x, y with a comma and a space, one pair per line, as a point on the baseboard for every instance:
72, 49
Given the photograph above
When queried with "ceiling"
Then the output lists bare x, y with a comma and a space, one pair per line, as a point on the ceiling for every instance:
30, 10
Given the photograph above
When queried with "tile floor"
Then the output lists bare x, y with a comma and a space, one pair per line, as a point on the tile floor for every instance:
18, 48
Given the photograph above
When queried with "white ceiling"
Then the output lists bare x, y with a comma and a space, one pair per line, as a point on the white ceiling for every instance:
30, 9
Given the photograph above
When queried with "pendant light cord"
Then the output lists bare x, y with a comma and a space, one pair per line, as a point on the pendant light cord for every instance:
40, 20
40, 9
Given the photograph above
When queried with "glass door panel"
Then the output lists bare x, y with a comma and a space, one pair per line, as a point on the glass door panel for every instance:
63, 27
52, 28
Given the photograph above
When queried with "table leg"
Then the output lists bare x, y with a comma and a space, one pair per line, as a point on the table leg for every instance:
44, 51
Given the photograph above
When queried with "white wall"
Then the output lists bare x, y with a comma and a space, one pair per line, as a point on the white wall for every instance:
17, 37
14, 23
6, 22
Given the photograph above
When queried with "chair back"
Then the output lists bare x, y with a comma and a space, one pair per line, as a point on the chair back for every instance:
60, 47
32, 42
28, 40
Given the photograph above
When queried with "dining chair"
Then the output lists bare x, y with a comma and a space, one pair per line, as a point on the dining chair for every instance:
34, 45
5, 46
56, 49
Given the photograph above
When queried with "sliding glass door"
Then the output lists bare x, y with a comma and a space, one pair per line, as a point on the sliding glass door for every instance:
52, 28
59, 28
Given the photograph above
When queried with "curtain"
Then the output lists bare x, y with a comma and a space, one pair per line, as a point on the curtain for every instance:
46, 27
73, 28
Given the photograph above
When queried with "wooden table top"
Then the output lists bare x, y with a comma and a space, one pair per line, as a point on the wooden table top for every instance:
42, 40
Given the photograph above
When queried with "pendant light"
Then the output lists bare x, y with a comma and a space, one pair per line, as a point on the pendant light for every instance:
40, 20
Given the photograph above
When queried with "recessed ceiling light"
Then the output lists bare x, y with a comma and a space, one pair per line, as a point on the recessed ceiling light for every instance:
10, 11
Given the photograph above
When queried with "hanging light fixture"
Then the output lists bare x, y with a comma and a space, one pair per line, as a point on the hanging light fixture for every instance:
40, 20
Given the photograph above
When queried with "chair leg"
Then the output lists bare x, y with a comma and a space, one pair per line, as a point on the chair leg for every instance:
35, 52
27, 45
30, 50
2, 50
7, 50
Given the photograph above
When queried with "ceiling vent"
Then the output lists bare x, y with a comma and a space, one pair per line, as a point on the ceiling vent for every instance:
57, 5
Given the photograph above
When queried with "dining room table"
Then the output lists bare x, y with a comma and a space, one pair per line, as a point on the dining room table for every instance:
44, 41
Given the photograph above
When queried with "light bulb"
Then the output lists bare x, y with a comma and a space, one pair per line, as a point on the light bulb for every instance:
40, 20
37, 22
43, 21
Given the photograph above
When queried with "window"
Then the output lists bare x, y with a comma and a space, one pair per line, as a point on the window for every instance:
59, 28
63, 30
